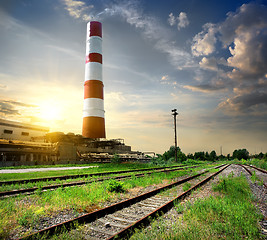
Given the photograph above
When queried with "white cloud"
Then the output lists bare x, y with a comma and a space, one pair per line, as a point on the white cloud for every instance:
165, 78
181, 21
204, 42
177, 57
172, 19
78, 9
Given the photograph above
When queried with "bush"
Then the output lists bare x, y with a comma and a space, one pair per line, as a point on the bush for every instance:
158, 161
115, 159
115, 186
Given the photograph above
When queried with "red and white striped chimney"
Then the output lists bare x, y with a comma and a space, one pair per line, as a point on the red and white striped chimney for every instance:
93, 106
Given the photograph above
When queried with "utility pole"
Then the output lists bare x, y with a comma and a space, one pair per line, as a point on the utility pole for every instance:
175, 134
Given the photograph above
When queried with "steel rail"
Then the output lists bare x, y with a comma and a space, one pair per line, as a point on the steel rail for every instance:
90, 217
72, 184
259, 169
65, 177
264, 184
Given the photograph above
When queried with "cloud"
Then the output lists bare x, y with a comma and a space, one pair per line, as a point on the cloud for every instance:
172, 19
165, 78
209, 63
152, 29
78, 9
243, 33
204, 42
167, 81
213, 64
242, 103
249, 58
181, 21
3, 86
12, 107
179, 58
206, 88
247, 17
67, 51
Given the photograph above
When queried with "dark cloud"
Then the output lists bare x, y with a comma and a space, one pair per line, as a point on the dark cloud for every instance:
244, 102
11, 107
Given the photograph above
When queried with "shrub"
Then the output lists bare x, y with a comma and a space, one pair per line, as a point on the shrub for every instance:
115, 186
115, 159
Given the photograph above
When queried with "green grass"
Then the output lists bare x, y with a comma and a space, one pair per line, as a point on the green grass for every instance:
103, 167
57, 181
260, 163
48, 166
21, 211
186, 186
230, 216
107, 167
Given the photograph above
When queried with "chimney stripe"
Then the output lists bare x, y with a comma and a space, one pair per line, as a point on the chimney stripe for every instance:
94, 29
94, 57
93, 71
93, 89
96, 103
94, 45
97, 130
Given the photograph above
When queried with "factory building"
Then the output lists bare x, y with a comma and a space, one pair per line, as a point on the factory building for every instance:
60, 148
12, 130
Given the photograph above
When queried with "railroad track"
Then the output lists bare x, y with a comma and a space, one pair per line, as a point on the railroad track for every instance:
259, 169
80, 175
120, 219
260, 173
80, 183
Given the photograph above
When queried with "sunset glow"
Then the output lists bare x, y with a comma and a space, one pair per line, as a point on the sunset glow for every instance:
50, 111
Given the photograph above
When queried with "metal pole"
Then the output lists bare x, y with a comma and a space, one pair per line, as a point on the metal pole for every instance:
175, 133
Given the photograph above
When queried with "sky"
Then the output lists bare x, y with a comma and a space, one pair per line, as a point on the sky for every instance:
205, 58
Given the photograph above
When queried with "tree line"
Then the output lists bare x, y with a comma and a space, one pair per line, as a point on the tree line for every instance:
209, 156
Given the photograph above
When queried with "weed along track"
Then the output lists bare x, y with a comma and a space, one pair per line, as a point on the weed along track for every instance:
257, 173
71, 184
122, 218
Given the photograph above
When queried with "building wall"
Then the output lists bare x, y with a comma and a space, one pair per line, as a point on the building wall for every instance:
12, 130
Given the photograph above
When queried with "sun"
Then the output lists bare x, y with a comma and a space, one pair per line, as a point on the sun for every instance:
49, 111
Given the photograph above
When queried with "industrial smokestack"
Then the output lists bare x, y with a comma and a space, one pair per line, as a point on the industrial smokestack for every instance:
93, 107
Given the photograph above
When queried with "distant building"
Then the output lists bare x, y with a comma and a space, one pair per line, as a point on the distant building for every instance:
12, 130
